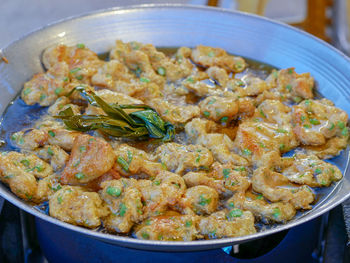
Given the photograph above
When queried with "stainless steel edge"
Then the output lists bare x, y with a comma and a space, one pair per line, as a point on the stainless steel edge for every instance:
175, 25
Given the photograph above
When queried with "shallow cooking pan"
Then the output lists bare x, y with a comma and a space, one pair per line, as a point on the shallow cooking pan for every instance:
173, 26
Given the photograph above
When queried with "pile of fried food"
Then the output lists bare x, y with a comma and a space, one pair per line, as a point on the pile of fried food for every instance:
220, 173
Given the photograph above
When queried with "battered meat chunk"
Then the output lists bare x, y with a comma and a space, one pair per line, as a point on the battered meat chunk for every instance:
261, 142
13, 172
72, 204
309, 170
47, 187
276, 187
293, 86
201, 199
29, 139
165, 191
219, 144
318, 120
225, 223
218, 74
85, 162
81, 61
331, 148
137, 61
45, 88
169, 227
171, 69
209, 56
53, 154
216, 108
267, 212
174, 113
123, 199
179, 158
225, 179
61, 104
253, 86
132, 161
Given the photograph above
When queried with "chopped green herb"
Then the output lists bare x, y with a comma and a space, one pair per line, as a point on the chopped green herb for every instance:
124, 164
260, 196
42, 97
145, 80
206, 113
262, 113
231, 204
198, 159
156, 182
145, 235
80, 77
190, 79
148, 222
51, 133
302, 118
82, 148
188, 223
59, 199
122, 209
74, 70
301, 175
318, 171
331, 127
307, 102
39, 168
161, 71
306, 126
247, 152
65, 79
80, 46
130, 156
203, 200
49, 151
345, 131
276, 212
262, 145
290, 71
224, 119
25, 162
27, 91
323, 182
212, 101
282, 131
282, 146
341, 124
239, 169
79, 176
289, 87
314, 121
235, 213
58, 187
211, 54
226, 172
113, 191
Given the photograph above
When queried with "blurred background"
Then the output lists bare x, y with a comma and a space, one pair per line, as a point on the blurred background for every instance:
326, 19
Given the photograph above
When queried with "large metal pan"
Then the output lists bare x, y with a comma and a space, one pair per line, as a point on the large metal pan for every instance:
170, 26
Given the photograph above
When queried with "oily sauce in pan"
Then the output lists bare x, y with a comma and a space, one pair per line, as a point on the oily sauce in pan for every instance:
247, 152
